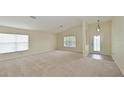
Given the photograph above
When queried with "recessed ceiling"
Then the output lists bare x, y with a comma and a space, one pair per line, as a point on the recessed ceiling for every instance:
47, 23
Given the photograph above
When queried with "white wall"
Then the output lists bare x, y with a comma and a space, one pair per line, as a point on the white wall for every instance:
118, 41
38, 42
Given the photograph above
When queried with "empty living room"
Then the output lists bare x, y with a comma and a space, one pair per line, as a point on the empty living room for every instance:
61, 46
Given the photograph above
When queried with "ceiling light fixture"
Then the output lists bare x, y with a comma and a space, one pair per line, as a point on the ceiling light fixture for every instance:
33, 17
98, 26
61, 27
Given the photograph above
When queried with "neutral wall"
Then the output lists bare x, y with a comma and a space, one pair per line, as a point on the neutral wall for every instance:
118, 41
77, 31
105, 36
38, 42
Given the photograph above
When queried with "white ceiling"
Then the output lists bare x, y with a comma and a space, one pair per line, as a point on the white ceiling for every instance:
48, 23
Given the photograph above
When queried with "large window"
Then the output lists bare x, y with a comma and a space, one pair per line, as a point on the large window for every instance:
13, 43
70, 41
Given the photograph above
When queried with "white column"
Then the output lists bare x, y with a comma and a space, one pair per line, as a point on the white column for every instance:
84, 39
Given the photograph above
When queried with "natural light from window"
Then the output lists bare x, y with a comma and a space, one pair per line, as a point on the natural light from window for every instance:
96, 43
70, 41
13, 43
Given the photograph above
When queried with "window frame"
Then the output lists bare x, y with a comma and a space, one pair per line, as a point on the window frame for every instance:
66, 41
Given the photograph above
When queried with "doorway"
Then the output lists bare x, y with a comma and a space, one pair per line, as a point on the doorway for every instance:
96, 44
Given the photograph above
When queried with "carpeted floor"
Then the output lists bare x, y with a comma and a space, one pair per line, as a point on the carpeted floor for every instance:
58, 64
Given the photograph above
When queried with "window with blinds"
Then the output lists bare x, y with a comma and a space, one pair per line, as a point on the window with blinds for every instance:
13, 43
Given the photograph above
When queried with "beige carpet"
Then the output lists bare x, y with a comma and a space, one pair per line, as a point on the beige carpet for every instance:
58, 63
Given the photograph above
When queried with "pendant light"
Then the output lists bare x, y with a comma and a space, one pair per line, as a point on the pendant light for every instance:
98, 26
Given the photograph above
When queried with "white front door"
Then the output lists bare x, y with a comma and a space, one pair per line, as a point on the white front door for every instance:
96, 44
